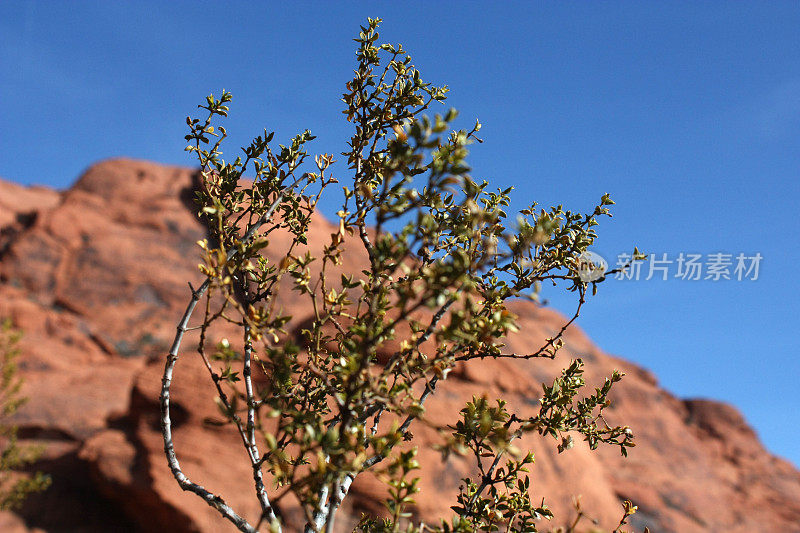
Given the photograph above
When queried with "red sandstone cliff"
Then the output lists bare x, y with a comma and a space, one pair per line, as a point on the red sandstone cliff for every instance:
96, 276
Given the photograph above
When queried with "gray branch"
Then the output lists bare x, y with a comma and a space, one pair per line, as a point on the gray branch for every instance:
166, 425
266, 508
166, 382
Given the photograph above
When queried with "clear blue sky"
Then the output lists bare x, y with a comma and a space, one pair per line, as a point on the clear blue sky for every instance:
687, 113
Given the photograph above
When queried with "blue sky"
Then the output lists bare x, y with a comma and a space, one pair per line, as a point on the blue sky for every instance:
687, 113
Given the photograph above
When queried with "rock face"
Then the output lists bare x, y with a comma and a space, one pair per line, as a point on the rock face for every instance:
96, 277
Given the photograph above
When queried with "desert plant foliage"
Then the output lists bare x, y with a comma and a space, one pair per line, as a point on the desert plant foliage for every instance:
15, 486
441, 260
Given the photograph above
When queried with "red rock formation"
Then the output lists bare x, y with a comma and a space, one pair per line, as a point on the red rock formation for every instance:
96, 276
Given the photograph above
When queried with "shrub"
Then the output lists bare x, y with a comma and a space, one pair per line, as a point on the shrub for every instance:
441, 262
14, 486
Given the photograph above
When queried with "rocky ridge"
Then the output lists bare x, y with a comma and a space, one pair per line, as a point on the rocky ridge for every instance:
96, 276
